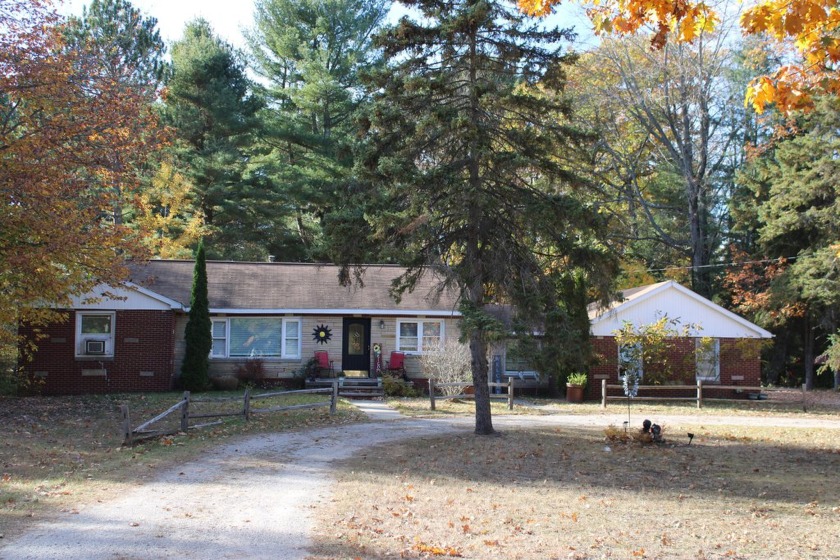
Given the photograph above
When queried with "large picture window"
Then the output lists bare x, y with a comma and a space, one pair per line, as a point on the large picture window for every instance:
256, 337
417, 336
95, 333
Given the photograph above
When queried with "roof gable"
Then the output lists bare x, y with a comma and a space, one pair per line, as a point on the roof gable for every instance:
127, 296
647, 304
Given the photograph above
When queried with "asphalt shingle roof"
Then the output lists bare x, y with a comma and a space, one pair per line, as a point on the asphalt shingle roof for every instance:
278, 286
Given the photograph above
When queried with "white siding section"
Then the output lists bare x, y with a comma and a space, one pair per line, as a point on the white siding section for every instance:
680, 304
124, 299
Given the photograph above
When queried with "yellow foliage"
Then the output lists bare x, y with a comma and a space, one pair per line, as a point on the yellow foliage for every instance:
71, 165
811, 26
167, 213
760, 93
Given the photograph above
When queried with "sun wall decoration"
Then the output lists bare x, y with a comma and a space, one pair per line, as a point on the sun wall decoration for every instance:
322, 334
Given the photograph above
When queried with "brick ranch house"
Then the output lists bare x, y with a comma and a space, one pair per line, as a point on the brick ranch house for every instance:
283, 313
728, 358
278, 312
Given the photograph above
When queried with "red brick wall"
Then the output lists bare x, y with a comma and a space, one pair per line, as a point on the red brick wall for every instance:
740, 364
142, 361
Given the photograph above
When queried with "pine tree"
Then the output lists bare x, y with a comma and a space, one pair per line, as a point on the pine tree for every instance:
463, 153
195, 374
309, 54
212, 109
797, 207
125, 44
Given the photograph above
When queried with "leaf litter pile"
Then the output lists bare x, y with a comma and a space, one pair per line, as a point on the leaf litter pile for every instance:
547, 493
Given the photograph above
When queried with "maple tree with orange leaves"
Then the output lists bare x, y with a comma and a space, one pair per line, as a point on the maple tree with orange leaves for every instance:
811, 27
72, 145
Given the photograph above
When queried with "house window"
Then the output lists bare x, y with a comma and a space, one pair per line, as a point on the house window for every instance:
95, 333
417, 336
256, 337
630, 359
707, 358
219, 331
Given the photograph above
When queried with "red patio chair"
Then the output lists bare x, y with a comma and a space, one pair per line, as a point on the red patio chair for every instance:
323, 362
396, 365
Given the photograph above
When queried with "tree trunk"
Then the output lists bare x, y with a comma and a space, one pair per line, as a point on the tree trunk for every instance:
808, 354
483, 417
699, 271
777, 360
475, 263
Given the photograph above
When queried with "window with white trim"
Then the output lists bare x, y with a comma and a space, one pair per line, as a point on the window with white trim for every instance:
630, 359
95, 333
256, 337
219, 334
417, 336
707, 358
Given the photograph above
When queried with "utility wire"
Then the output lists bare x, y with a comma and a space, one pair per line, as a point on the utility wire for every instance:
721, 264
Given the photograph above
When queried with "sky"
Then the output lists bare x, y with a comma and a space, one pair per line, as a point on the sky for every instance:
228, 18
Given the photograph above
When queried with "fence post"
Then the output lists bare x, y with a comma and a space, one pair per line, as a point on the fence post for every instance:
246, 404
432, 392
185, 412
603, 393
699, 393
334, 397
126, 424
804, 408
510, 393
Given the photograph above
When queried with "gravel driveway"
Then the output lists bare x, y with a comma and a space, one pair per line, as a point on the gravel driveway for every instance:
253, 498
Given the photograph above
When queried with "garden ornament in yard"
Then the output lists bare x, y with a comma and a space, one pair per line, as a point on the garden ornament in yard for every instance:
655, 431
631, 388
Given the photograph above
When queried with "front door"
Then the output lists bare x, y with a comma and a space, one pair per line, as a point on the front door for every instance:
355, 349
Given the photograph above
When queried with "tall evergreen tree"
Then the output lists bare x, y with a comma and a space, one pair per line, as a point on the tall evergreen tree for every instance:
212, 109
195, 374
310, 53
462, 151
798, 212
125, 43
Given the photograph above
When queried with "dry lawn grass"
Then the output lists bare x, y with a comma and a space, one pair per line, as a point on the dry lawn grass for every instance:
546, 493
57, 453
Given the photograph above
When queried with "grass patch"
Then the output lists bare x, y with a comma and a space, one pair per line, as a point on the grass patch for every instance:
60, 452
545, 493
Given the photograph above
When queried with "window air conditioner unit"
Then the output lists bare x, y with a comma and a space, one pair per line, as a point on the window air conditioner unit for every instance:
94, 347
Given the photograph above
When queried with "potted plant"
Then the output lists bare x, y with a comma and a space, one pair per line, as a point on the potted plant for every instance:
575, 384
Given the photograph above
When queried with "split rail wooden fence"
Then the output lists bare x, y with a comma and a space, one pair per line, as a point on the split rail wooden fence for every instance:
699, 397
182, 408
510, 385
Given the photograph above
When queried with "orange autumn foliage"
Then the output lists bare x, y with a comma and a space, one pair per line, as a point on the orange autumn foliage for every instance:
812, 27
71, 150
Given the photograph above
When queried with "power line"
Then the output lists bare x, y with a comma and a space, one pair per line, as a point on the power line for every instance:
721, 265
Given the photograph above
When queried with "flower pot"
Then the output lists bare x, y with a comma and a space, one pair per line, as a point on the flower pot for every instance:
574, 393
